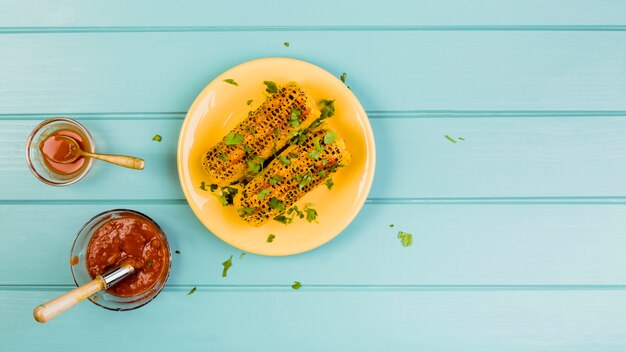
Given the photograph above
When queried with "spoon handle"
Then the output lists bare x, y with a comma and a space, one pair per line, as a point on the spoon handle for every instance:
56, 306
122, 160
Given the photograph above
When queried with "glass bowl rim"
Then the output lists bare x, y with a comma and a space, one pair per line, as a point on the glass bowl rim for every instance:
169, 267
29, 142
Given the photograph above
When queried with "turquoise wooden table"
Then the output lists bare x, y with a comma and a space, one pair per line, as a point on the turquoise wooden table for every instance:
519, 231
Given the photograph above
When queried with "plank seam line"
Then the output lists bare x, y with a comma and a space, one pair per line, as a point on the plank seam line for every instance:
557, 200
311, 28
373, 114
333, 287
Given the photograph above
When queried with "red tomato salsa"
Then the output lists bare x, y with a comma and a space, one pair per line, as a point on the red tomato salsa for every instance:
134, 239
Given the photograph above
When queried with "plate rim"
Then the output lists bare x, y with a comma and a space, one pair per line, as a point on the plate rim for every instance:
369, 137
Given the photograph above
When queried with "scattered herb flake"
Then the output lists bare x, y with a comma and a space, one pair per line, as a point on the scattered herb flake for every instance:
231, 81
275, 203
283, 159
242, 255
233, 138
249, 102
314, 154
264, 192
245, 210
271, 87
461, 138
286, 44
284, 219
296, 285
304, 180
203, 186
191, 292
294, 120
318, 147
227, 264
330, 137
270, 238
213, 187
222, 156
330, 183
274, 179
405, 238
254, 167
322, 174
293, 155
391, 225
343, 77
311, 214
177, 251
324, 161
450, 139
156, 138
149, 263
328, 109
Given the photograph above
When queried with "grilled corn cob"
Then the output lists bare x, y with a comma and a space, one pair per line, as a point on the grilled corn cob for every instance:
297, 170
265, 131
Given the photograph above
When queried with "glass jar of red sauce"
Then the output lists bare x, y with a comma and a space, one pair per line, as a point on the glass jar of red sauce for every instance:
122, 235
44, 146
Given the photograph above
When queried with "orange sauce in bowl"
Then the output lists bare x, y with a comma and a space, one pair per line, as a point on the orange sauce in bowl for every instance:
54, 148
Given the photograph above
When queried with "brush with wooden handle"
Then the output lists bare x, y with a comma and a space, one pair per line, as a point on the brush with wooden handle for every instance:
56, 306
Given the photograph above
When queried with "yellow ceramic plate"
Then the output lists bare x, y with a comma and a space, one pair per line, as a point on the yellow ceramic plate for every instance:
220, 106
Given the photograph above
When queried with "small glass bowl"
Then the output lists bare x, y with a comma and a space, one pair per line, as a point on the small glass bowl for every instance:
35, 161
78, 263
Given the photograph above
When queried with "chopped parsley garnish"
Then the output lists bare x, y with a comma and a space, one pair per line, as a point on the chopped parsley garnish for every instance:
242, 255
330, 137
271, 87
274, 179
275, 203
213, 187
283, 159
227, 195
322, 174
227, 264
314, 154
303, 180
294, 120
318, 147
245, 210
231, 81
324, 161
233, 138
177, 251
311, 214
405, 238
296, 285
343, 77
222, 156
156, 138
283, 219
203, 186
293, 155
329, 183
270, 238
450, 139
296, 211
247, 148
191, 292
264, 193
286, 44
391, 225
254, 167
328, 109
461, 138
249, 102
149, 263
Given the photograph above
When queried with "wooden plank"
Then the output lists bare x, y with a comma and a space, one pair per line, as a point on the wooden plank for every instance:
500, 157
453, 245
67, 13
387, 70
314, 321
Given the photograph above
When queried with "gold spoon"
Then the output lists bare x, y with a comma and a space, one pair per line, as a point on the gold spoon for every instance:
75, 152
